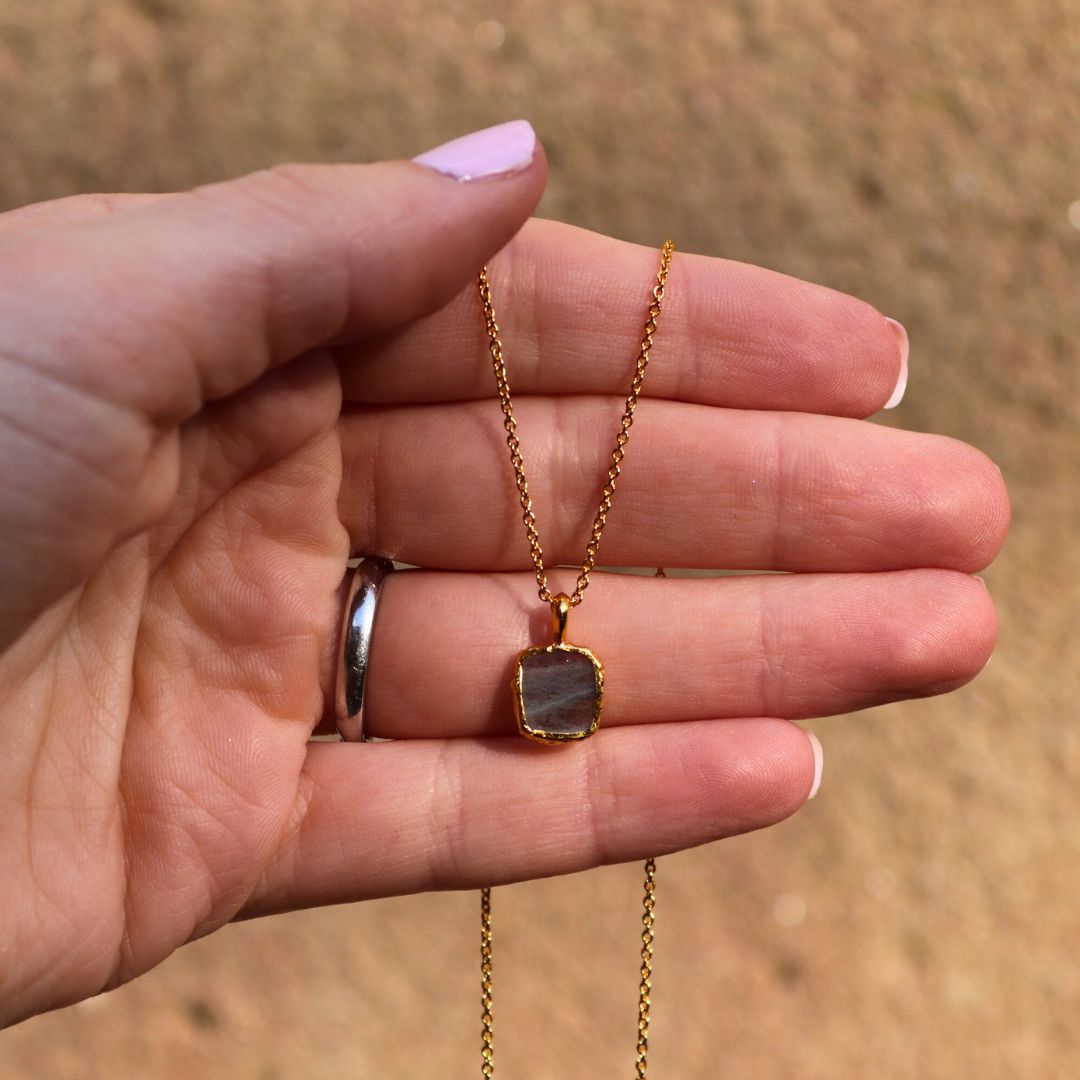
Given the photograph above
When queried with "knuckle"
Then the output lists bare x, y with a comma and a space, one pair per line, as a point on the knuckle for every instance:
279, 197
279, 187
285, 221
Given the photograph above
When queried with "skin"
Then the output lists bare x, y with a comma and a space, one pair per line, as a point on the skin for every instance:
209, 400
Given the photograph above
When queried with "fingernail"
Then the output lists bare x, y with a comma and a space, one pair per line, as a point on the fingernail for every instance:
901, 383
493, 151
819, 763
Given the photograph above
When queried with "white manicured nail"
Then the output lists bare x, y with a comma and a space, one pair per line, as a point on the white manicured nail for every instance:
819, 763
901, 383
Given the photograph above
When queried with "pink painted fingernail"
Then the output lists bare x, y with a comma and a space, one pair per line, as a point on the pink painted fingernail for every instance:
819, 763
494, 151
901, 383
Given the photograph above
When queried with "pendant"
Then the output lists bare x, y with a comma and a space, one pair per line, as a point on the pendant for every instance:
558, 689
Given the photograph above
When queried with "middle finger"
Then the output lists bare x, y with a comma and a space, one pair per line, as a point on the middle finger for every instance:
708, 488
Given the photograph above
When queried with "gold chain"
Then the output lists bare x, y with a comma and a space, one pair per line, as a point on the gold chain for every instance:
487, 1019
486, 991
623, 437
644, 1000
607, 496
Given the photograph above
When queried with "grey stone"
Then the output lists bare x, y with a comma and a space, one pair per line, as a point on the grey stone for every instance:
559, 692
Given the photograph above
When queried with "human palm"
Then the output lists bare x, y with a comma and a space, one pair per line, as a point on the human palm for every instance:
209, 401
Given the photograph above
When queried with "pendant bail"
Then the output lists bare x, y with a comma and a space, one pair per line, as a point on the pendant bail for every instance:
560, 609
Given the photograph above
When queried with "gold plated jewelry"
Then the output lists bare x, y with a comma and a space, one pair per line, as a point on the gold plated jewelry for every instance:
558, 689
565, 686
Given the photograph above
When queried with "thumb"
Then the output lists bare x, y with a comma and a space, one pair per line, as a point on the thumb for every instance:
115, 329
192, 297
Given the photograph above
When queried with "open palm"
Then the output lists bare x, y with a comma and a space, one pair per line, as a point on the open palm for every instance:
209, 401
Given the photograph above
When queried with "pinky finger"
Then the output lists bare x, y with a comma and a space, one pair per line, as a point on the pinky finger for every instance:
379, 819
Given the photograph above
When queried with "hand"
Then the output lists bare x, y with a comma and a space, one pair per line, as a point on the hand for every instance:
209, 400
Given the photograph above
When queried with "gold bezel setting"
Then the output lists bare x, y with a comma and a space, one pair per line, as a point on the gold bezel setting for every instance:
540, 735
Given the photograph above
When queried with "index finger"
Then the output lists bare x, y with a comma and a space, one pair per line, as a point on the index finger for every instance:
571, 306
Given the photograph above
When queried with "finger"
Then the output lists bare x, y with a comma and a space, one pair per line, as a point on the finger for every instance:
674, 649
194, 296
571, 306
115, 330
701, 487
380, 819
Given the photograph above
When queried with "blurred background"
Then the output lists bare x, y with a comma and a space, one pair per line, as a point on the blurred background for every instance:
919, 918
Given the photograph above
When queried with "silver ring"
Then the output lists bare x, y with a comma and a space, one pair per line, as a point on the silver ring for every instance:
354, 645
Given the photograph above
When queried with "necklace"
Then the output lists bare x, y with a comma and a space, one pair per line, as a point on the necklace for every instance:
558, 689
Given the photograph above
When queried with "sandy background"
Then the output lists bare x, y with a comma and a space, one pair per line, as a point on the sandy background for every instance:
919, 919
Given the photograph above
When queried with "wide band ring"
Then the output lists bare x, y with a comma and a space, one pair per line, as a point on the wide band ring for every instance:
354, 645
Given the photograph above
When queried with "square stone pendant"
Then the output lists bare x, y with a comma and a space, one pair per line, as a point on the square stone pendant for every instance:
558, 692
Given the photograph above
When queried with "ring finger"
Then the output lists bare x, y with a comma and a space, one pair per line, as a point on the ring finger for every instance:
675, 649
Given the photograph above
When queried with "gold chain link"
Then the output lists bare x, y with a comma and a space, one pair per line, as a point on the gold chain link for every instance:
487, 1020
621, 439
607, 496
644, 1000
